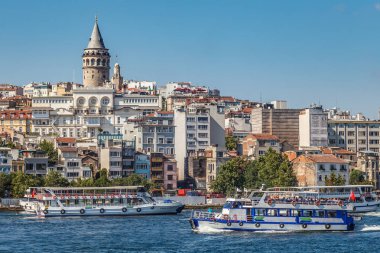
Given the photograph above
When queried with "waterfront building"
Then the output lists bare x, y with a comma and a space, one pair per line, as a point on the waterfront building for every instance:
238, 123
368, 163
313, 127
110, 155
155, 133
8, 90
193, 132
256, 145
140, 87
313, 170
157, 170
214, 159
35, 162
5, 160
354, 135
142, 165
283, 123
170, 175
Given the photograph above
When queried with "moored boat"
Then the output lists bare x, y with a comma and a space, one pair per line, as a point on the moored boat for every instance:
261, 212
101, 201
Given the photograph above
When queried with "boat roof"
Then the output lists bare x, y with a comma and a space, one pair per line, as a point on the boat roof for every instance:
320, 187
89, 188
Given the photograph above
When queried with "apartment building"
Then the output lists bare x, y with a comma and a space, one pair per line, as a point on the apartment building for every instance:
354, 135
283, 123
313, 127
256, 145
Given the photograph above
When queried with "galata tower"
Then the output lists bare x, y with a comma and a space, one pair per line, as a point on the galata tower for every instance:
96, 60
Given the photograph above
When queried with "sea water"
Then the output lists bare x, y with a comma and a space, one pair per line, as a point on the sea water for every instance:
170, 233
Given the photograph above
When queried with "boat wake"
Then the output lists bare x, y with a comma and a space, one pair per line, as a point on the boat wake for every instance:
373, 214
367, 228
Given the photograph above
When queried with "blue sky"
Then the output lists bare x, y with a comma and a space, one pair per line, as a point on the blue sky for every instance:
301, 51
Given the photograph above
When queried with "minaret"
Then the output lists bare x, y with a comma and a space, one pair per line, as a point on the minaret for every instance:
96, 60
117, 79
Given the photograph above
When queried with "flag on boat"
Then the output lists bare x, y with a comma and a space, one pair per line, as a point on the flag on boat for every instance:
33, 193
352, 196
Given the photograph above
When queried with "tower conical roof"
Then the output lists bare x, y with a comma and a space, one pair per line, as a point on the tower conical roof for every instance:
96, 40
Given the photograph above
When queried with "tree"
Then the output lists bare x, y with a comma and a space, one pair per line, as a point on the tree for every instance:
21, 182
102, 178
55, 179
5, 185
273, 169
334, 180
231, 143
48, 148
358, 177
133, 180
230, 176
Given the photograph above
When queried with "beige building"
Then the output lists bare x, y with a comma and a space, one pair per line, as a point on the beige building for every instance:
283, 123
354, 135
313, 127
368, 162
313, 170
255, 145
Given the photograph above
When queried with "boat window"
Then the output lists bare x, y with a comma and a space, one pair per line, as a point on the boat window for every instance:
227, 205
283, 212
331, 214
307, 213
272, 212
259, 212
320, 213
296, 213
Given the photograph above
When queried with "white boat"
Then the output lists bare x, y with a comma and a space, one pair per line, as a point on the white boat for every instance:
361, 197
101, 201
290, 212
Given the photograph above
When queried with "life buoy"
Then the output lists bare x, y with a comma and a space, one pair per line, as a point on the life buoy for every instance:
318, 203
340, 203
304, 225
45, 211
124, 210
138, 210
282, 225
82, 211
229, 224
102, 210
225, 216
270, 202
241, 224
257, 225
327, 226
63, 211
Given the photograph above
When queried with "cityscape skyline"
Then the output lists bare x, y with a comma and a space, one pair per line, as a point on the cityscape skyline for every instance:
238, 51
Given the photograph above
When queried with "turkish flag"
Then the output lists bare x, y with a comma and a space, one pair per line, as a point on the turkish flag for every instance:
352, 196
33, 193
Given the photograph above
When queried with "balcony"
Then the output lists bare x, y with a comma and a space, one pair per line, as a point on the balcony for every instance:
157, 169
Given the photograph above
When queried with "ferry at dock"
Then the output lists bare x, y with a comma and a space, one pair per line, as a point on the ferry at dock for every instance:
291, 211
100, 201
362, 198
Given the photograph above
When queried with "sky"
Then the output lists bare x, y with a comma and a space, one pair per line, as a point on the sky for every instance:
325, 52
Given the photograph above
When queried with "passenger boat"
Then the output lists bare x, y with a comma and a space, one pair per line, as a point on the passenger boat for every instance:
362, 198
102, 201
291, 211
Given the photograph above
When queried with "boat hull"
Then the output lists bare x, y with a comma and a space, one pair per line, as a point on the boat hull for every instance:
111, 211
207, 225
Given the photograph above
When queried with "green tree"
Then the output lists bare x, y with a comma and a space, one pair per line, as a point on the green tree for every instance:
231, 143
334, 180
48, 148
358, 177
230, 176
273, 169
5, 185
102, 178
55, 179
21, 182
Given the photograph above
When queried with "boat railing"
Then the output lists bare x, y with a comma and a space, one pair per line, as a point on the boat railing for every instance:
316, 202
203, 215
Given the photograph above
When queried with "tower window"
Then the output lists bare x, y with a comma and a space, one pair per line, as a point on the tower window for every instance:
98, 62
92, 62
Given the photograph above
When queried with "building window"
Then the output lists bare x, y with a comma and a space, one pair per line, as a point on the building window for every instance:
170, 177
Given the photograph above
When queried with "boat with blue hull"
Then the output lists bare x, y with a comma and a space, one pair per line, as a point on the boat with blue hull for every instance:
291, 213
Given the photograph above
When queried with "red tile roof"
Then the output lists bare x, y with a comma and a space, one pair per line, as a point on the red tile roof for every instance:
66, 140
323, 159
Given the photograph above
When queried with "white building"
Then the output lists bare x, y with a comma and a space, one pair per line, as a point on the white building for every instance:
313, 128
